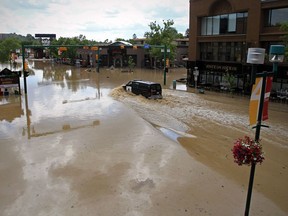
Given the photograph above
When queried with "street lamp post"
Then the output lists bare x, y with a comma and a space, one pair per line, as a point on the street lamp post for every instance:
196, 74
98, 59
165, 51
90, 59
24, 68
276, 55
256, 56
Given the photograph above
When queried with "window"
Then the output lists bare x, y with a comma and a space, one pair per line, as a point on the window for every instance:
216, 25
215, 50
234, 23
222, 51
241, 23
223, 24
204, 26
209, 25
274, 17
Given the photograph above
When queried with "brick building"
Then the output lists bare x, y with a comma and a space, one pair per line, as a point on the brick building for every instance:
221, 31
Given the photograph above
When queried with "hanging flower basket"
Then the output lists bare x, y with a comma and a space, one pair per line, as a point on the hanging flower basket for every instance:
247, 151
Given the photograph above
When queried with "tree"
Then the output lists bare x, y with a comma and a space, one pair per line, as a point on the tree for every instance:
119, 39
107, 41
231, 80
180, 35
81, 38
7, 46
284, 28
187, 33
162, 36
29, 37
71, 51
131, 63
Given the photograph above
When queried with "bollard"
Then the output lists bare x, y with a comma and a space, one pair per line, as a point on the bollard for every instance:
174, 84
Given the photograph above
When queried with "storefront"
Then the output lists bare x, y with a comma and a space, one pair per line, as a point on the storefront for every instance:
116, 54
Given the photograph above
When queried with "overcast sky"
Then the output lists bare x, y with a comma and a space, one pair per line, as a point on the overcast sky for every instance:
96, 19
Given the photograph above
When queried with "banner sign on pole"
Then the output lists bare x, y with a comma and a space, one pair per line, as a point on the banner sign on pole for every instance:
255, 99
266, 97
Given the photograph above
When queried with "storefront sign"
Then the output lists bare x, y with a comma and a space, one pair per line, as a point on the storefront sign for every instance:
220, 67
8, 78
214, 67
94, 48
9, 82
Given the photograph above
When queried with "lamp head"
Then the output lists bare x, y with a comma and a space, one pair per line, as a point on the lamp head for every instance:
256, 55
276, 53
276, 58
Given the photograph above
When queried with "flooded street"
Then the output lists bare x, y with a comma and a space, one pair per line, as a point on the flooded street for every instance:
78, 144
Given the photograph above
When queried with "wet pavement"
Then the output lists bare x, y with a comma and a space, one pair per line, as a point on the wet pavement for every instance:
77, 144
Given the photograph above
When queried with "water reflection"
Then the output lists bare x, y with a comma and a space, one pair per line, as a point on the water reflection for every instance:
174, 134
32, 132
63, 98
11, 107
65, 128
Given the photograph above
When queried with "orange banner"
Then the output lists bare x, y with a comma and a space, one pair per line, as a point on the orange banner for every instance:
62, 49
255, 101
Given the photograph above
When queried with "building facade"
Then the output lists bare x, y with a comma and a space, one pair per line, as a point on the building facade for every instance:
221, 31
117, 54
181, 55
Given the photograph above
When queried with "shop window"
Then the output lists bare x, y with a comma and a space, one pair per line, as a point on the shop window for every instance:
222, 51
228, 52
238, 52
215, 51
217, 78
210, 77
202, 77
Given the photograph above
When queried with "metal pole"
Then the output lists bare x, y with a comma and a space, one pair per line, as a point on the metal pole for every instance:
196, 74
28, 117
257, 136
19, 87
98, 66
165, 50
275, 69
23, 64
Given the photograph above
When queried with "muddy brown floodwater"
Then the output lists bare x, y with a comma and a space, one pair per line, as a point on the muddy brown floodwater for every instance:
78, 144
